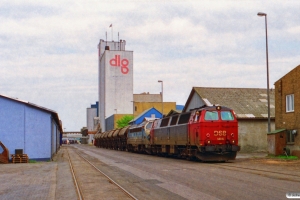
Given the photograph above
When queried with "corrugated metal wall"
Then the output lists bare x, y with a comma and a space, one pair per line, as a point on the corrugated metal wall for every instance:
24, 127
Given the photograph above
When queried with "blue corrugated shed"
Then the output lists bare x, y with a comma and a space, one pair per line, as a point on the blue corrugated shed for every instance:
24, 125
179, 107
150, 113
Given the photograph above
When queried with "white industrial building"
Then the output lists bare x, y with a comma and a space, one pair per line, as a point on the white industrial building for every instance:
91, 122
91, 113
115, 79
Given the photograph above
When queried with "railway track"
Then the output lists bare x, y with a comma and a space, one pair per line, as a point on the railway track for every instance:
91, 182
268, 173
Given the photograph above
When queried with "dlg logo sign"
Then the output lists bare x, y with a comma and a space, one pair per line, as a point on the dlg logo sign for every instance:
117, 62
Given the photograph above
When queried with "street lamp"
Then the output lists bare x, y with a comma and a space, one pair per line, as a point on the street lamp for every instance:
261, 14
162, 94
132, 108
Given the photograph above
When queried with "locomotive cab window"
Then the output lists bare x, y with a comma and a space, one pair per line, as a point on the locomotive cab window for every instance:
226, 116
211, 115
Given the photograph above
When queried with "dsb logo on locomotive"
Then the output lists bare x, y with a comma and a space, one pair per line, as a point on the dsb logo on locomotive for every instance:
117, 62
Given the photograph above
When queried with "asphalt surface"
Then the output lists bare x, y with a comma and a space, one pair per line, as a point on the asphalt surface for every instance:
152, 177
42, 180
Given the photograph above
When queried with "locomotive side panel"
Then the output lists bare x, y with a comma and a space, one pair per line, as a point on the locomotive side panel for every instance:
179, 134
135, 137
138, 136
176, 135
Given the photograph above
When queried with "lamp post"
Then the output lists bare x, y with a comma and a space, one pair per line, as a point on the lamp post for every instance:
162, 99
133, 108
261, 14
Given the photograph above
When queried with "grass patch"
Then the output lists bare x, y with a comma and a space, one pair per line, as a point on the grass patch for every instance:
283, 157
32, 161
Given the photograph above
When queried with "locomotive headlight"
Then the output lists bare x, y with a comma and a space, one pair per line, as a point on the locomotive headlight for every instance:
208, 141
233, 141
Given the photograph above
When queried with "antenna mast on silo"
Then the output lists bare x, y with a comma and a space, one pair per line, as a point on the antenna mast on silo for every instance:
112, 31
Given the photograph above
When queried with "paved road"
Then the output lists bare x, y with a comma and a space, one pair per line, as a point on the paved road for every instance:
152, 177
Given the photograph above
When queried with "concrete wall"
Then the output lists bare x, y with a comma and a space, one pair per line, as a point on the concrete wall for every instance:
253, 135
25, 127
115, 84
91, 113
289, 84
110, 122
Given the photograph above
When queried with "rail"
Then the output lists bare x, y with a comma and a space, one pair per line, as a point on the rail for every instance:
78, 189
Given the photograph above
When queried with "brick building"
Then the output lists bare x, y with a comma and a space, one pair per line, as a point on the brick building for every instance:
287, 108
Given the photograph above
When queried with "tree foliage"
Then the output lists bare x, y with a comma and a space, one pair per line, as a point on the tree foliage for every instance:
124, 121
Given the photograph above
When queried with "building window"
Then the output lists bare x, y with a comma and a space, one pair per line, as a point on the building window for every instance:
290, 136
135, 108
290, 103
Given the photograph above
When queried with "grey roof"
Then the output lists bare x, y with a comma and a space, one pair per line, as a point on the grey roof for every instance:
246, 102
146, 97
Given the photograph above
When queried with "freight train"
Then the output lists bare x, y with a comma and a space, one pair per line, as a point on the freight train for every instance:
208, 133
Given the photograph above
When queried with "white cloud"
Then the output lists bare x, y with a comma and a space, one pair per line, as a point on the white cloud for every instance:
48, 49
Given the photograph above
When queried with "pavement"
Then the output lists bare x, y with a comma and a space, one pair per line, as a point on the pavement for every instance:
251, 155
41, 180
49, 180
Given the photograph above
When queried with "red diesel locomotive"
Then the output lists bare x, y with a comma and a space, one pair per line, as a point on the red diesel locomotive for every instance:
208, 133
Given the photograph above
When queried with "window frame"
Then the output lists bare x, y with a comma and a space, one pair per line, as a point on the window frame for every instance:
290, 137
289, 103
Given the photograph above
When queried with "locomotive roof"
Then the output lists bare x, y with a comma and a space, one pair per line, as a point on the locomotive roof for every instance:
215, 107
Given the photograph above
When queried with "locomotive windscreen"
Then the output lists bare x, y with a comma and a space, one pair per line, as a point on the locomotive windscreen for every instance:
211, 115
227, 116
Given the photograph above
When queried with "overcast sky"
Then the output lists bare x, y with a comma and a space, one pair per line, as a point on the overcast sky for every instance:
48, 49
